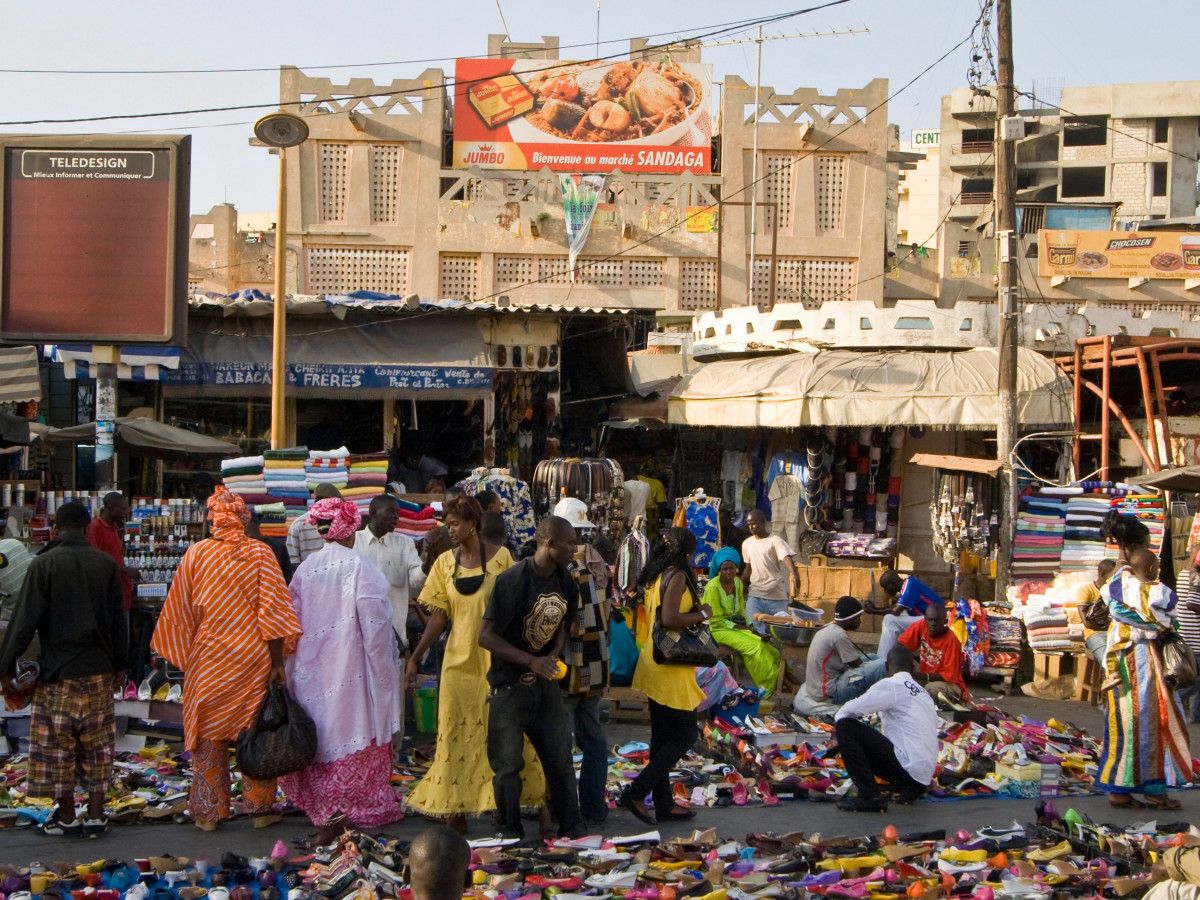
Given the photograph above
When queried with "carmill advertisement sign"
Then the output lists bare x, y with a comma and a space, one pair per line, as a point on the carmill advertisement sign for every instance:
636, 116
1119, 254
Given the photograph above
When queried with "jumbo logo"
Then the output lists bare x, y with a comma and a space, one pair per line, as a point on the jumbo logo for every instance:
484, 154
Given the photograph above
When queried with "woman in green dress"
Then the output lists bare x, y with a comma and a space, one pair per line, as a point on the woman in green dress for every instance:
726, 594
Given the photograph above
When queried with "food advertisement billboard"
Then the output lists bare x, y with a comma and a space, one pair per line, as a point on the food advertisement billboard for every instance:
94, 238
633, 115
1119, 254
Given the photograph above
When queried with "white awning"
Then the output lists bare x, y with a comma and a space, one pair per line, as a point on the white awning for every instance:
847, 388
19, 378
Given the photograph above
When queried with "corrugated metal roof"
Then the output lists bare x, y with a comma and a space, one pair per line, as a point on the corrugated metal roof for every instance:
256, 303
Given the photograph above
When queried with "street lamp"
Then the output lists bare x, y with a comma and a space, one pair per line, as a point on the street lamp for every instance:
280, 130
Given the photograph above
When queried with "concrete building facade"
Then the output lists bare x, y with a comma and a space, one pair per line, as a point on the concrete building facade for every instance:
374, 205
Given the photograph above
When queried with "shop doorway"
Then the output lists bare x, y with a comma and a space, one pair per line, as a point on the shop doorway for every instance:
448, 431
329, 424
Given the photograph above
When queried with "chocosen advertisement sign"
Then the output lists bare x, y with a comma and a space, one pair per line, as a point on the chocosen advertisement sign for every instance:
636, 116
94, 238
1119, 254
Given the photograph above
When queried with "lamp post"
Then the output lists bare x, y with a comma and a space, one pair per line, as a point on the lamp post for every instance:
280, 130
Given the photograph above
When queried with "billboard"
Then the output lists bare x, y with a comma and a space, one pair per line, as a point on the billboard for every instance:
632, 115
93, 238
1119, 254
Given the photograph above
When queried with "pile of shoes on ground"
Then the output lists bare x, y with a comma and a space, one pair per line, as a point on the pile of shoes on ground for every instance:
1053, 859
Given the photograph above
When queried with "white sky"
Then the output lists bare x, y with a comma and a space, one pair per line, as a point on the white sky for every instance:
1072, 42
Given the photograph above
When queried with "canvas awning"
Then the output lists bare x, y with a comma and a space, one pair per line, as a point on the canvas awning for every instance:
146, 437
1183, 478
19, 377
848, 388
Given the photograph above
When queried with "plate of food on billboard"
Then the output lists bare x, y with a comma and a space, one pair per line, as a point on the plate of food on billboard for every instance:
650, 116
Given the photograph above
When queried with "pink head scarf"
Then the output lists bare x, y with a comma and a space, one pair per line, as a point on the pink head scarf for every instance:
341, 515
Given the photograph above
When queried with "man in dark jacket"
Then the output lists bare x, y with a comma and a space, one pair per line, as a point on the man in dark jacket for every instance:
72, 600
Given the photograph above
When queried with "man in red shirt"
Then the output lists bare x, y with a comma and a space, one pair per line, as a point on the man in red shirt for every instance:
938, 652
107, 534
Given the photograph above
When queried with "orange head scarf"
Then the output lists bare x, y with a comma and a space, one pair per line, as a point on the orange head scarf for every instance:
228, 514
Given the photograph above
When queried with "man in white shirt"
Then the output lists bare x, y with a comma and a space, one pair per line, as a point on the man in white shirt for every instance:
303, 540
905, 754
769, 570
396, 556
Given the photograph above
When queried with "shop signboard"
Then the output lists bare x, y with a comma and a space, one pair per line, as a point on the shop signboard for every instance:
334, 376
94, 238
1119, 254
638, 116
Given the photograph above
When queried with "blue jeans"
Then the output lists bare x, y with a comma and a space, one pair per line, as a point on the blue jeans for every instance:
854, 682
755, 605
584, 711
1097, 646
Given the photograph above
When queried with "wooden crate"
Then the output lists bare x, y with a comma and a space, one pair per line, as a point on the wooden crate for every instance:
627, 705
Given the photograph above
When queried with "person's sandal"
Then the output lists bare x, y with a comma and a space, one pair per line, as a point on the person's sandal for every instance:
631, 804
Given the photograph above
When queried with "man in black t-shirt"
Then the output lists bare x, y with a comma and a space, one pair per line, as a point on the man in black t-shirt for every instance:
524, 628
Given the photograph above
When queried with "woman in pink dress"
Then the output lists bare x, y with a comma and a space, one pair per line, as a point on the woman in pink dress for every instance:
346, 675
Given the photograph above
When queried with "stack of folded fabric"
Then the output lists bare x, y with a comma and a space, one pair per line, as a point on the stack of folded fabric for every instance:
1150, 510
1038, 542
284, 474
243, 476
1004, 633
367, 479
327, 467
1083, 540
272, 519
415, 520
1048, 629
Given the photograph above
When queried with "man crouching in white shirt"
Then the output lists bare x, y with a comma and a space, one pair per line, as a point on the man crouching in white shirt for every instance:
905, 753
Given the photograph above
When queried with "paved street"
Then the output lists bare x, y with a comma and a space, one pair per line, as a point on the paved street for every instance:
21, 846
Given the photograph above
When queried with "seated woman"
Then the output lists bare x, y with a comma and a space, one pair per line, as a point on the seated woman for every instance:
726, 594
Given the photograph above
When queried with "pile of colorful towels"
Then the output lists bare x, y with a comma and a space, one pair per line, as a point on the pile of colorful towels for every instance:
327, 467
367, 479
285, 479
243, 476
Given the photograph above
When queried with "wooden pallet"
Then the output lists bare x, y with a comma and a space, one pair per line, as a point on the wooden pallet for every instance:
627, 705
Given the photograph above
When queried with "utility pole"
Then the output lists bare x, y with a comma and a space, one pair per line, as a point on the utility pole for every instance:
1006, 226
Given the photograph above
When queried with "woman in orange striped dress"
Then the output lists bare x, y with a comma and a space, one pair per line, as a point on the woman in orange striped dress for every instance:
227, 623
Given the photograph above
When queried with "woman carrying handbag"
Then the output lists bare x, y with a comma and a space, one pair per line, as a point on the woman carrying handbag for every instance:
672, 598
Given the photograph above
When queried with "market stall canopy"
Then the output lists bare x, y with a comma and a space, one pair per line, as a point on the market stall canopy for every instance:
19, 378
1184, 478
647, 408
849, 388
149, 438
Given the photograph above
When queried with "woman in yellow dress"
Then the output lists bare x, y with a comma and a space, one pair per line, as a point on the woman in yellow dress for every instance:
671, 689
459, 782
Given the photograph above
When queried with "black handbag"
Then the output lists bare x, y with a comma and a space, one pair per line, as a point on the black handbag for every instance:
1096, 616
686, 647
1179, 662
282, 739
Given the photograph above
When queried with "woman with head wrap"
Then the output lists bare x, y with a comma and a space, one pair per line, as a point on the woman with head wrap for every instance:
346, 675
726, 594
227, 624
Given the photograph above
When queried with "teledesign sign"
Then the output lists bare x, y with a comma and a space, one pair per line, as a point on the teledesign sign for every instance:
94, 235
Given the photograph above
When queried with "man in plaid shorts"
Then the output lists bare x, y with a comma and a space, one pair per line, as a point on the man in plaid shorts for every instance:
72, 600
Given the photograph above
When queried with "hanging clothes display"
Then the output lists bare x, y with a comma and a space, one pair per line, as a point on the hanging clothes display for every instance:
516, 501
700, 514
962, 514
631, 559
785, 495
599, 483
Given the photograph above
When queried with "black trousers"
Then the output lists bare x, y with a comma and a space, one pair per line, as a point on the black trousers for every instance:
867, 754
535, 711
672, 733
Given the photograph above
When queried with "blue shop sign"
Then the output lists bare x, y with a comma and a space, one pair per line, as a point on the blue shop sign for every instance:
329, 375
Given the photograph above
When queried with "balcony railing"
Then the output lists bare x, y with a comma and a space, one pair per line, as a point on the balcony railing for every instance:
973, 147
975, 198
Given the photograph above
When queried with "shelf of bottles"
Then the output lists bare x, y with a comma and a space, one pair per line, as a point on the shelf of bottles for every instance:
157, 534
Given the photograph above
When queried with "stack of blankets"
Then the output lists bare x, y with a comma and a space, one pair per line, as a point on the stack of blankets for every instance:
327, 467
367, 479
1150, 509
1004, 647
272, 519
416, 521
243, 476
1038, 542
1048, 629
1083, 543
285, 478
